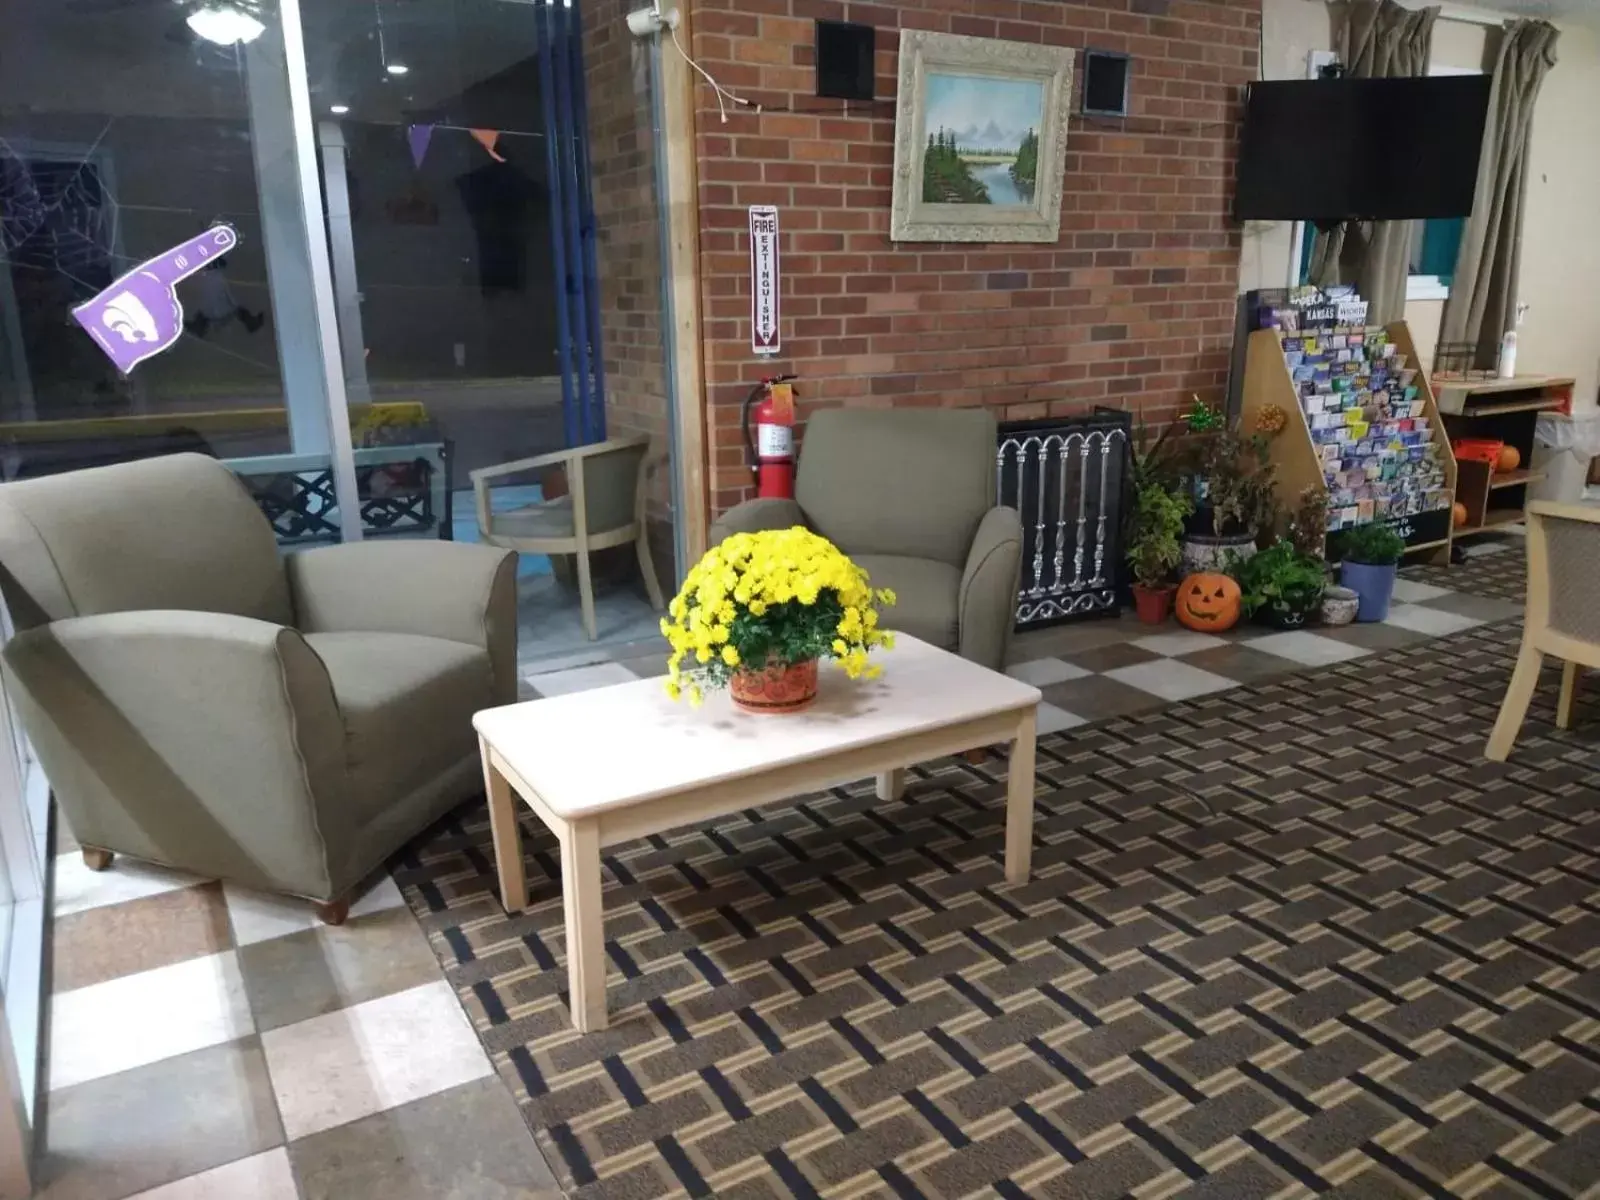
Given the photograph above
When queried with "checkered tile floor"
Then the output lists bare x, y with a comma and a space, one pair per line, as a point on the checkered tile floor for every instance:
209, 1043
1093, 670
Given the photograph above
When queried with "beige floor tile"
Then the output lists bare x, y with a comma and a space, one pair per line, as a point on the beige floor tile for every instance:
78, 888
469, 1141
260, 1177
1074, 637
148, 1126
325, 969
137, 1019
138, 935
258, 916
338, 1068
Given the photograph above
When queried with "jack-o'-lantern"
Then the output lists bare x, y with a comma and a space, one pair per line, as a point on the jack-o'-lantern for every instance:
1208, 602
1510, 459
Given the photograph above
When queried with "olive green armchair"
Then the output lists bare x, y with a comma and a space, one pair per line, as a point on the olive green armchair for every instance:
909, 495
199, 701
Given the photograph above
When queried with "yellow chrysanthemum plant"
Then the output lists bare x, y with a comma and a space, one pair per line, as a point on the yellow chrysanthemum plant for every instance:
784, 597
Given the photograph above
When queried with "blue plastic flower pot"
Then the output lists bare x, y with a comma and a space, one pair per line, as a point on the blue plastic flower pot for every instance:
1373, 586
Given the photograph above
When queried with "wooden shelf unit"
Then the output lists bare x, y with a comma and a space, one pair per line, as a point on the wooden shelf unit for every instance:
1267, 381
1505, 479
1504, 410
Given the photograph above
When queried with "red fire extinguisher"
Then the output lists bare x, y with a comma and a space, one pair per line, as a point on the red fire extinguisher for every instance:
770, 452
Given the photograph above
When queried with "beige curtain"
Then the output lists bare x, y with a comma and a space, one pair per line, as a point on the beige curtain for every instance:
1483, 294
1374, 39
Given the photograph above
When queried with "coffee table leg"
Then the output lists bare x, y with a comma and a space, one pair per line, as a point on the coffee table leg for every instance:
586, 938
891, 784
507, 837
1019, 802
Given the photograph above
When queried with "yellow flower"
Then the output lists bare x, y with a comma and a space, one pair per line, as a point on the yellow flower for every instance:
696, 696
743, 579
673, 690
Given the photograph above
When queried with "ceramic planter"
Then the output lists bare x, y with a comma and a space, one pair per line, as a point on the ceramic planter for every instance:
1373, 586
777, 687
1153, 605
1202, 553
1281, 618
1339, 606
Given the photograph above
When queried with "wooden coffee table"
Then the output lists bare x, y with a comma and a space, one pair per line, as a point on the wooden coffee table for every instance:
623, 762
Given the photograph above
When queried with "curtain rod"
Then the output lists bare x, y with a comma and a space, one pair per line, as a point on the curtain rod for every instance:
1468, 16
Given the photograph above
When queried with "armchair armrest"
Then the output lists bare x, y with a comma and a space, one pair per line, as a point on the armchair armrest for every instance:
206, 741
570, 454
755, 516
988, 606
448, 590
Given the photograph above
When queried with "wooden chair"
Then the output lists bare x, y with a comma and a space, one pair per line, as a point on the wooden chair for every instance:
1563, 613
603, 507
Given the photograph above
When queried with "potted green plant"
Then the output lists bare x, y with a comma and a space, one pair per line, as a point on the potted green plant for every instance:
1153, 548
1370, 557
1280, 585
1233, 480
1308, 523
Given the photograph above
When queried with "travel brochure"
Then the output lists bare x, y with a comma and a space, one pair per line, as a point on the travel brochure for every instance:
1380, 452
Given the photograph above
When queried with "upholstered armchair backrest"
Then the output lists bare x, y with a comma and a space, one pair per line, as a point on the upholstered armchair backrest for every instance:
177, 532
909, 482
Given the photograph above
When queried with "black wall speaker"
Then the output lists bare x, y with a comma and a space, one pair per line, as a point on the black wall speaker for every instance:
1105, 83
844, 60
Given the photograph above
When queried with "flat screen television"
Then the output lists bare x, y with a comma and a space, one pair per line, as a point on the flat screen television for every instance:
1330, 150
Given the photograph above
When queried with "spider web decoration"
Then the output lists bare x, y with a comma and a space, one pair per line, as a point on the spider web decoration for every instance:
57, 216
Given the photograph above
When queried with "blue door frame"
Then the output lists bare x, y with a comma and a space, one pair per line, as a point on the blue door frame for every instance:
572, 223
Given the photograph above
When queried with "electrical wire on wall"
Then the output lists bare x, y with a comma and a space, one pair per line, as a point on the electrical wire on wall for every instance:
645, 22
722, 92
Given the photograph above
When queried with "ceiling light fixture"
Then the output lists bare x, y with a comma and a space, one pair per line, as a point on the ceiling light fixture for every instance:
225, 24
338, 110
397, 68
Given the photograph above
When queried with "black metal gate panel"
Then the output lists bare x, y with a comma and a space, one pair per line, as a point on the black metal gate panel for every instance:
1066, 478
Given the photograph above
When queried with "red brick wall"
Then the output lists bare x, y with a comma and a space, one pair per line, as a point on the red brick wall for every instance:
1132, 307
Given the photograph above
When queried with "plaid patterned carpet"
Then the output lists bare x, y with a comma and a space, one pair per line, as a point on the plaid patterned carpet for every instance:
1296, 939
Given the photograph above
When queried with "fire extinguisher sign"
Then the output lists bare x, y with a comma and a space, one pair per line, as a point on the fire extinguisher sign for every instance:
765, 339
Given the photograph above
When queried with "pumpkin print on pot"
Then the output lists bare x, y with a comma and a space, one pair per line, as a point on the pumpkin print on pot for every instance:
1208, 602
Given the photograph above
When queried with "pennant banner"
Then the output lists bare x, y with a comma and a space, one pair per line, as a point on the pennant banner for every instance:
488, 139
418, 137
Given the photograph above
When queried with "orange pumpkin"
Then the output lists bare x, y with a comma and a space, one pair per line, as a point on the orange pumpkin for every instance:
1208, 602
1460, 514
1510, 459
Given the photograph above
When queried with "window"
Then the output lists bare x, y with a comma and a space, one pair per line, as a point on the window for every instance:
1434, 246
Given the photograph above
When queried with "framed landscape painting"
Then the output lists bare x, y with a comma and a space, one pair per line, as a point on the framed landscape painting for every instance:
980, 134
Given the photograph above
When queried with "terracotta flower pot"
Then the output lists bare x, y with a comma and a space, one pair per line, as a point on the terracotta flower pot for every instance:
1154, 605
777, 687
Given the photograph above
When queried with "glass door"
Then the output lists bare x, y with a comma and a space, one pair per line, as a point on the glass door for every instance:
497, 279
